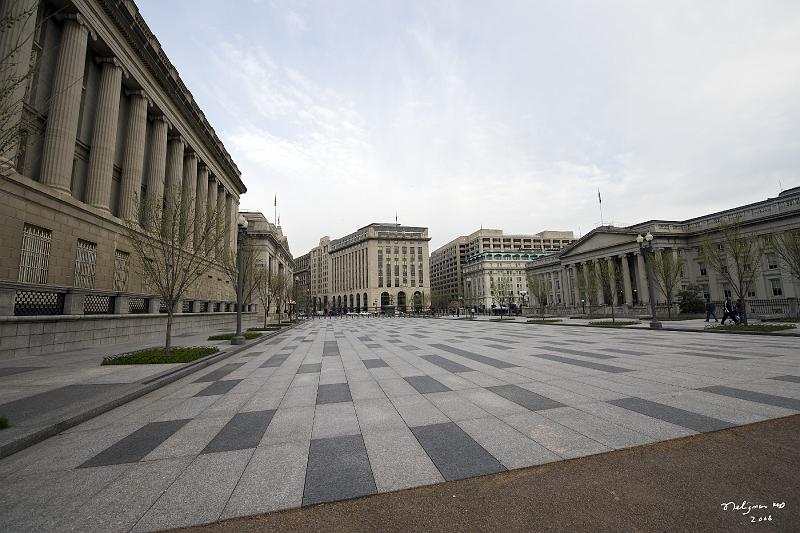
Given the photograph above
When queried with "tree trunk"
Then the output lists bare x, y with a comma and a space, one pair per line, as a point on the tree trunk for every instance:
613, 317
168, 341
265, 318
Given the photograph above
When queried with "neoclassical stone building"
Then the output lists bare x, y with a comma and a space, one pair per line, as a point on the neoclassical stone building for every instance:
377, 266
448, 262
302, 282
100, 120
271, 245
773, 284
498, 278
103, 120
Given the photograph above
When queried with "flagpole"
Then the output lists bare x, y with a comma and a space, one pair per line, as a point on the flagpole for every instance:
600, 202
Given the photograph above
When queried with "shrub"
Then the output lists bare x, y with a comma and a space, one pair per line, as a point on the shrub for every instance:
543, 320
690, 300
753, 327
155, 356
610, 324
3, 422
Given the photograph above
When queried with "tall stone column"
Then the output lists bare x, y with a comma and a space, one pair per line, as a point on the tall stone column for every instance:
173, 179
200, 206
587, 271
188, 199
596, 271
211, 213
156, 168
16, 42
221, 216
104, 135
133, 156
644, 295
58, 150
227, 242
626, 280
576, 291
612, 268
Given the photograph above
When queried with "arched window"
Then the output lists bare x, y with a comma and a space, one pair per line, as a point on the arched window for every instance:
358, 302
401, 301
384, 299
365, 302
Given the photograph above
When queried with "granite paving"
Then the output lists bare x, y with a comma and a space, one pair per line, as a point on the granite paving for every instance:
343, 408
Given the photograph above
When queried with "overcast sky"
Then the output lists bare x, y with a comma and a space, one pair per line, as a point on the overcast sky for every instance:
505, 114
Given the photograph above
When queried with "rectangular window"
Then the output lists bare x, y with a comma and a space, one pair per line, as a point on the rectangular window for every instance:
777, 288
405, 274
726, 291
702, 267
35, 254
380, 267
85, 263
120, 270
420, 277
772, 261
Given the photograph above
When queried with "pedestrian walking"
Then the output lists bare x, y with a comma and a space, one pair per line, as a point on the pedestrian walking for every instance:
710, 308
728, 312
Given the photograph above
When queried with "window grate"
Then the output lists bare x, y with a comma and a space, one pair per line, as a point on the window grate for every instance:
137, 305
35, 254
85, 263
96, 304
120, 270
34, 303
187, 306
204, 307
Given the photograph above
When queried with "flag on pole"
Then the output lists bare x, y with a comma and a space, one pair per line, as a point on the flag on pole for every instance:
276, 200
600, 200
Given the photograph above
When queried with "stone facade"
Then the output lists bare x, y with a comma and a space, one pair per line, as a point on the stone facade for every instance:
103, 120
497, 278
681, 238
302, 282
272, 247
377, 266
448, 262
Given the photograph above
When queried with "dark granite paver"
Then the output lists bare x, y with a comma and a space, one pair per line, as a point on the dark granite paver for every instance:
584, 353
585, 364
760, 397
330, 348
491, 361
374, 363
426, 384
219, 387
447, 364
527, 399
309, 368
338, 468
789, 378
45, 403
333, 393
624, 352
455, 454
243, 431
275, 361
219, 373
711, 355
137, 445
12, 370
673, 415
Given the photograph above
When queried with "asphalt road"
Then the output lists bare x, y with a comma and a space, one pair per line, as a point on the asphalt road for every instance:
677, 485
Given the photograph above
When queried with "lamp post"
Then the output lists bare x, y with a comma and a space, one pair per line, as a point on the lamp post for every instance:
647, 251
240, 236
522, 294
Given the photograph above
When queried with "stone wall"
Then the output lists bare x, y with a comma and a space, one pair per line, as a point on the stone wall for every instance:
24, 336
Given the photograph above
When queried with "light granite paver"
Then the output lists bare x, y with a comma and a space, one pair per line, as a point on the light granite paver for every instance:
454, 399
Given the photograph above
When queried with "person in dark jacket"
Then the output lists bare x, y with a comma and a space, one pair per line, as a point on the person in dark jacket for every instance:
728, 312
710, 308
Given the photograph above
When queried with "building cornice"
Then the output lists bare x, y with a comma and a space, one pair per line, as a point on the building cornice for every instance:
129, 23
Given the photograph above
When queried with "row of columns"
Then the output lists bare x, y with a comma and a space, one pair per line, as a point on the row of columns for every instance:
173, 170
588, 268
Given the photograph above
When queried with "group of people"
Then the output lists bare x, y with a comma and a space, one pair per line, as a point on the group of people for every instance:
730, 311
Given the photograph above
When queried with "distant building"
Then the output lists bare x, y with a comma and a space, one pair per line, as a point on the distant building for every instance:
497, 278
683, 239
271, 244
448, 262
302, 282
377, 266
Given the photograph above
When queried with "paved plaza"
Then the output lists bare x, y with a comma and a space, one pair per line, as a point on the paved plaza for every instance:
341, 408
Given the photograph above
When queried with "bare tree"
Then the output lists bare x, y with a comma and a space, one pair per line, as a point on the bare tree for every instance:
170, 265
667, 271
500, 290
537, 285
736, 258
608, 278
251, 271
278, 292
787, 246
587, 285
264, 290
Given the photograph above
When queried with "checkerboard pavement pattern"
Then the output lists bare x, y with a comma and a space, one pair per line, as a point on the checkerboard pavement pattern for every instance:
336, 409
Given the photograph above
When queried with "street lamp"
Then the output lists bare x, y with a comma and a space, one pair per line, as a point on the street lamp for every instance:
240, 236
647, 251
522, 294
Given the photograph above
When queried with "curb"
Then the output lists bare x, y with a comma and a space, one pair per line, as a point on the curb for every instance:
685, 330
149, 385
